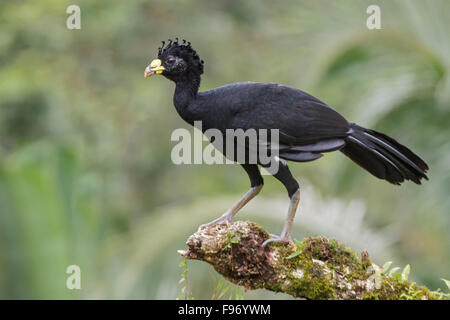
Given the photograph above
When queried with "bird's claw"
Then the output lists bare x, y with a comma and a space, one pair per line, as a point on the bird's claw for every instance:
275, 238
225, 218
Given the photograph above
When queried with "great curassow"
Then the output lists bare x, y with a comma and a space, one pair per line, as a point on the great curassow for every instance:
307, 127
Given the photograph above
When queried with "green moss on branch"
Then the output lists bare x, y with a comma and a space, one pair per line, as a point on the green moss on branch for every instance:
316, 268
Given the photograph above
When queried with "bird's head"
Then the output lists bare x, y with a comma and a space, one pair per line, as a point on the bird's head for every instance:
176, 61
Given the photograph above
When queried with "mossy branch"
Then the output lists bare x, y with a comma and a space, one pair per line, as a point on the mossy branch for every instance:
316, 268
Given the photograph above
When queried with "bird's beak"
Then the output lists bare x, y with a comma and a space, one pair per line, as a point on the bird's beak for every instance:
154, 67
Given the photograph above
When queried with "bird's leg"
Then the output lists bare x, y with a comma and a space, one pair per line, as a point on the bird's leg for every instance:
295, 200
256, 182
286, 233
284, 176
228, 216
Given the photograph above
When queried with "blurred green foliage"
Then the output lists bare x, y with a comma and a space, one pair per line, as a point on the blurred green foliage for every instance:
85, 170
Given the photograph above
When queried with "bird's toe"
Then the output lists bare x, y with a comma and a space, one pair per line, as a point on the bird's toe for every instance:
224, 218
274, 238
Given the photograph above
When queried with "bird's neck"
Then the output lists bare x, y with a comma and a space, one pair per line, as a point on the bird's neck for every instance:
185, 94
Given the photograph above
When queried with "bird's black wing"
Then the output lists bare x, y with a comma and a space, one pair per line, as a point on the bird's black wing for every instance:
307, 126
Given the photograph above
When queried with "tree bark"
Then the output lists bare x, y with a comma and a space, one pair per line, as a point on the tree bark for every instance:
315, 268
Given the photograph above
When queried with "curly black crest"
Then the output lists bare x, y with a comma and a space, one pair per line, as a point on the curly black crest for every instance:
183, 49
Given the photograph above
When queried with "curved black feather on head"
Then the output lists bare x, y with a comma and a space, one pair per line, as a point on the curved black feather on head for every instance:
161, 48
182, 50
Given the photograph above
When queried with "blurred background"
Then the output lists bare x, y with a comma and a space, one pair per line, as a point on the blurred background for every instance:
85, 172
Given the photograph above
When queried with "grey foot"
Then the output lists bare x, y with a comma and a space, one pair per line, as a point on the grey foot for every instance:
275, 238
225, 218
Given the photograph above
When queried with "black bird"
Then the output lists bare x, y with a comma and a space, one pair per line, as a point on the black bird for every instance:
307, 127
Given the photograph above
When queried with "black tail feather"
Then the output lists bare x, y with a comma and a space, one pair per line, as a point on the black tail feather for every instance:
383, 156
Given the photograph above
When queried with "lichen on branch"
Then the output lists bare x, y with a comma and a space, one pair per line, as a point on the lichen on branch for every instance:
315, 268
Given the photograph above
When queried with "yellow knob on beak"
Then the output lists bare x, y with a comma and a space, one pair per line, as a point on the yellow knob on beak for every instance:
154, 67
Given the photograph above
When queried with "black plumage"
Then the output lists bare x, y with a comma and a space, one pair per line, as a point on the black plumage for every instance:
307, 126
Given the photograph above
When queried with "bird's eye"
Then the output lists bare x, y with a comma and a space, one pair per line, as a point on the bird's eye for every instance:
171, 61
